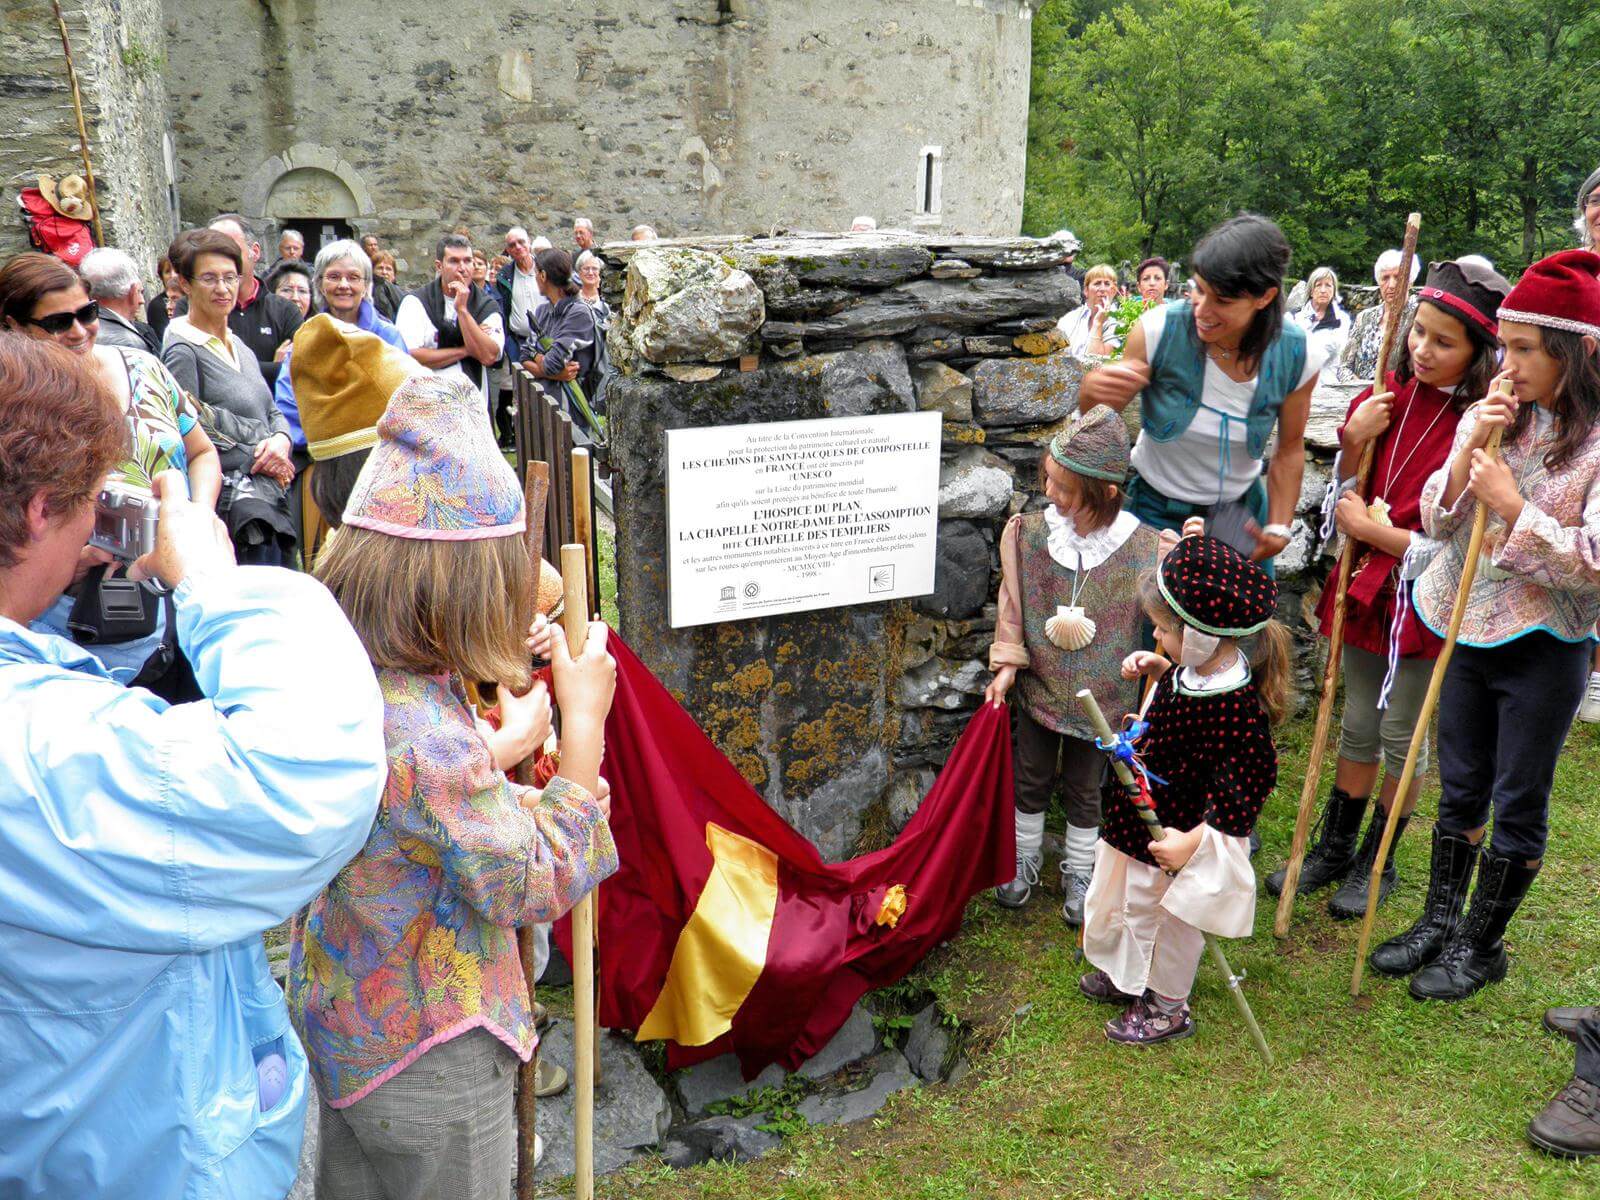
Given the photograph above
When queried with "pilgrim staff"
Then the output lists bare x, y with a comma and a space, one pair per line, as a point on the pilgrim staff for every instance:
1469, 570
1330, 676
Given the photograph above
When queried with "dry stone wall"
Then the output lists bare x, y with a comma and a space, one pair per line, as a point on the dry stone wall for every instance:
841, 718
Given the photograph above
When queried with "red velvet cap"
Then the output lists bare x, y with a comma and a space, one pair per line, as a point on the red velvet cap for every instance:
1559, 292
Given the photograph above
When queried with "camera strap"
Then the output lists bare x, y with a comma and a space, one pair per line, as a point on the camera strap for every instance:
112, 609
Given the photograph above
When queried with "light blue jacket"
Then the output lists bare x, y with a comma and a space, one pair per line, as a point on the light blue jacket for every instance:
143, 850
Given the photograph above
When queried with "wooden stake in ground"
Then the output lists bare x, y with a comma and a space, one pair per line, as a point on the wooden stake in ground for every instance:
575, 619
535, 495
83, 134
1469, 570
583, 534
1330, 675
1157, 833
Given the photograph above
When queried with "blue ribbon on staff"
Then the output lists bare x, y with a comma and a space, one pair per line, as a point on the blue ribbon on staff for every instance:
1121, 750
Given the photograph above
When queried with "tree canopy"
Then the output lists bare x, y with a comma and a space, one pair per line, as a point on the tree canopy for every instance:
1153, 119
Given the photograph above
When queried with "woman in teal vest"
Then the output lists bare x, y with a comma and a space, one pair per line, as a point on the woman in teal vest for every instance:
1215, 375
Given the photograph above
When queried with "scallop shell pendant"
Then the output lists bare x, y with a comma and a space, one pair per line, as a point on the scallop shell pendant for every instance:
1378, 510
1069, 628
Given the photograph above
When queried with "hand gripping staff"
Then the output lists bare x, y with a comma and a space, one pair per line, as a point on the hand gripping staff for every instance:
1120, 749
1330, 675
1469, 571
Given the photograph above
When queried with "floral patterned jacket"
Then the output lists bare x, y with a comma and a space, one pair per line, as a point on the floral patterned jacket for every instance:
414, 942
1544, 572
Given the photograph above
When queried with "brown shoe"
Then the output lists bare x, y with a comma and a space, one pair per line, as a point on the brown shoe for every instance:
1569, 1126
1565, 1021
1097, 986
541, 1017
552, 1080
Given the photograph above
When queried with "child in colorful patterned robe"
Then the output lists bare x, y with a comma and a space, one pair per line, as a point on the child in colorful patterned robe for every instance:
1068, 615
1210, 762
405, 981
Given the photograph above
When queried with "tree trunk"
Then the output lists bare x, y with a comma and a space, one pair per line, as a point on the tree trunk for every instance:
1530, 207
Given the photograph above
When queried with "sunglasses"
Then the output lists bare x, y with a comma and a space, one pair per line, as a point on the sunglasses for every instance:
58, 323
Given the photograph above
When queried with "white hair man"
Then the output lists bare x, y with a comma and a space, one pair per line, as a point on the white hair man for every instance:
291, 246
582, 236
643, 233
114, 283
864, 225
519, 290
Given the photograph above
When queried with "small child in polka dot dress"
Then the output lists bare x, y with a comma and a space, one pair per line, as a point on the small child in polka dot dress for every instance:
1220, 681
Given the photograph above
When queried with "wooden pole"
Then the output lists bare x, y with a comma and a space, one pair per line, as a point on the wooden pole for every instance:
83, 134
1330, 675
535, 494
1157, 833
583, 534
575, 619
1469, 570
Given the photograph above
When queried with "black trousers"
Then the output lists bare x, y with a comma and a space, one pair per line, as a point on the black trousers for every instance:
1589, 1050
1503, 716
1036, 751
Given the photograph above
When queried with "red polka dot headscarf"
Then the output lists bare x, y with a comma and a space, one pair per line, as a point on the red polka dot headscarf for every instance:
1214, 588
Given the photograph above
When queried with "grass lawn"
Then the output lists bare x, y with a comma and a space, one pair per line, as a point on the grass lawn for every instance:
1378, 1097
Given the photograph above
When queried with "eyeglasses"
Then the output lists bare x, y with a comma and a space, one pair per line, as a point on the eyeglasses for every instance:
58, 323
216, 281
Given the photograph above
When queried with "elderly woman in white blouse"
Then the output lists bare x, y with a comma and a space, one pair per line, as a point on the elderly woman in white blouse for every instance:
1325, 320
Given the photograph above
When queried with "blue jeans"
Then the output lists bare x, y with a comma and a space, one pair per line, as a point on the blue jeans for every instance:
1164, 512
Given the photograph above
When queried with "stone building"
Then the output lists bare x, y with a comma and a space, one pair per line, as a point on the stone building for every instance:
407, 118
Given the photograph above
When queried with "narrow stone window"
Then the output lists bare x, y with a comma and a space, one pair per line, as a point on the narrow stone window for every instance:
930, 180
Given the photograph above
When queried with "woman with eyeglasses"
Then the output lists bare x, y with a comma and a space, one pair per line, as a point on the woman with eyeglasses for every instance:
43, 298
222, 373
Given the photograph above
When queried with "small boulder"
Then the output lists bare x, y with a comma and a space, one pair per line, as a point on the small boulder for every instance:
887, 1073
960, 573
1026, 391
703, 1084
685, 305
942, 389
974, 485
928, 1044
723, 1139
855, 1040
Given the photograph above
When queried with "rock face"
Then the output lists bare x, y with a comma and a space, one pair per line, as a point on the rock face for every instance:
684, 305
631, 1112
928, 1045
943, 389
887, 1073
975, 485
961, 572
1026, 391
956, 304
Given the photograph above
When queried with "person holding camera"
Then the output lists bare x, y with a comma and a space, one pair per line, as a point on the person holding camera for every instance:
125, 626
145, 1049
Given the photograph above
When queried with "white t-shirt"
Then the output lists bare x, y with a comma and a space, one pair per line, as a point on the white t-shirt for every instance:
421, 334
1075, 327
1190, 466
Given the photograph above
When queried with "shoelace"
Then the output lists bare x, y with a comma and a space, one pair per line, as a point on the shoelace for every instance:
1582, 1097
1028, 870
1591, 694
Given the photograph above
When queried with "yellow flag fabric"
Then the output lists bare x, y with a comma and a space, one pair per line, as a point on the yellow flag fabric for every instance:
723, 948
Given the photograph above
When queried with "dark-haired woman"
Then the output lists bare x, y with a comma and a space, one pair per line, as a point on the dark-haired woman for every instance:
1388, 657
564, 329
1216, 375
1153, 276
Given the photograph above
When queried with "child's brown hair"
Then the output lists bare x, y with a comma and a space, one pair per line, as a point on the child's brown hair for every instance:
1103, 500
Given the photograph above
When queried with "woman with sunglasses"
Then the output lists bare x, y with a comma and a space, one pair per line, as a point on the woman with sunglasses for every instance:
41, 297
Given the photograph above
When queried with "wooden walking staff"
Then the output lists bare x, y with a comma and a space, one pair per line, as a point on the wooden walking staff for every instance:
583, 535
1330, 675
575, 619
535, 495
1157, 833
1469, 571
83, 134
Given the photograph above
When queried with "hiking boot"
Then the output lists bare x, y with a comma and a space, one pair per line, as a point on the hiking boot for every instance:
1075, 884
1475, 955
1565, 1021
1569, 1126
550, 1079
1333, 846
1350, 900
1097, 986
1589, 710
1017, 893
1418, 946
1144, 1025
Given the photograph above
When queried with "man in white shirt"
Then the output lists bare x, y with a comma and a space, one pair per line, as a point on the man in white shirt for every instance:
452, 326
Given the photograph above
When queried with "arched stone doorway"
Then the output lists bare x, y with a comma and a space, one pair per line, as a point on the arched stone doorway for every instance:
310, 188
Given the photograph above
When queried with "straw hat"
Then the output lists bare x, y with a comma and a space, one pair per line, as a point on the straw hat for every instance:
70, 197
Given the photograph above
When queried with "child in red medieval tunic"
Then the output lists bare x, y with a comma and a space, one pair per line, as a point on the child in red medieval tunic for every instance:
1210, 762
1068, 616
1388, 656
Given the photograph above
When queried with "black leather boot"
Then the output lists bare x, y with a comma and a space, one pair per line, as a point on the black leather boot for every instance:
1475, 955
1333, 846
1351, 898
1453, 857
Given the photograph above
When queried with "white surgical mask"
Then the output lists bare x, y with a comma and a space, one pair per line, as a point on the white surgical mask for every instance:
1197, 647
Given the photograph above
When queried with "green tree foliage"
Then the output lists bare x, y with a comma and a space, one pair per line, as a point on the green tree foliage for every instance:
1153, 119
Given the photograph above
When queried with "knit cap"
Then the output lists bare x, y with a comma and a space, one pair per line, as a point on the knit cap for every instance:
1095, 444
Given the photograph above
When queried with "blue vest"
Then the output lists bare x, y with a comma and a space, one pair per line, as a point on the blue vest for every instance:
1177, 374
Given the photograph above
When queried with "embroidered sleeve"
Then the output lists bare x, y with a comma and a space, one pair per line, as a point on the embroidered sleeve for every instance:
1440, 522
1008, 648
513, 863
1563, 557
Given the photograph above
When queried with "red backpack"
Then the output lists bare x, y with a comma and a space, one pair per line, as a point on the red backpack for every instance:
67, 239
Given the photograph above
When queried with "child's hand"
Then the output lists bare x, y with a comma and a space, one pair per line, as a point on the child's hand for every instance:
1194, 527
584, 685
1177, 848
1371, 417
540, 636
1497, 410
1144, 662
524, 726
995, 693
602, 797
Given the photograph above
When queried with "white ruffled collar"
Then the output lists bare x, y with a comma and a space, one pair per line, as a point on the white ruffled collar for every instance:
1083, 552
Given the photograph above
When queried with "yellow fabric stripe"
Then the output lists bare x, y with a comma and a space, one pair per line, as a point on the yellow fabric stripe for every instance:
345, 443
722, 950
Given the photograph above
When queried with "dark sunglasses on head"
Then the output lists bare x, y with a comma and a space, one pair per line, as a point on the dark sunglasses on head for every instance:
58, 323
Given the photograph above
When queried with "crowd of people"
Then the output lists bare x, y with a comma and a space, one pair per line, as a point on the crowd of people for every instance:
214, 743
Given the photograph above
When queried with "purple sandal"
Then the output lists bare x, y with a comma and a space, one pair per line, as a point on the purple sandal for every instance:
1145, 1025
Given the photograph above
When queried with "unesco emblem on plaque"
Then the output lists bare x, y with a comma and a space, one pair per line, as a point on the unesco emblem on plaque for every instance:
751, 590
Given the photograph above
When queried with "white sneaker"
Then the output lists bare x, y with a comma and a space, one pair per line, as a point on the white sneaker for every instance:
1589, 710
